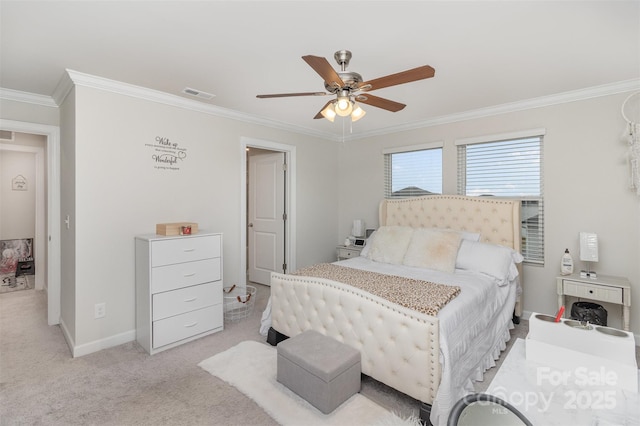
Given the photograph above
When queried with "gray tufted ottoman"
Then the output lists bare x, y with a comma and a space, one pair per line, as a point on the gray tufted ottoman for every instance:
320, 369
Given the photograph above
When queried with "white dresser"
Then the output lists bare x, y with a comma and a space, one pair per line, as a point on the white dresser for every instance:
178, 289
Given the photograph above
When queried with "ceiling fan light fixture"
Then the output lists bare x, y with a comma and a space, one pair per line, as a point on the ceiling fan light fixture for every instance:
329, 113
343, 106
357, 113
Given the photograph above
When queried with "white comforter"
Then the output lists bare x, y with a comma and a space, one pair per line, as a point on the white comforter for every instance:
474, 327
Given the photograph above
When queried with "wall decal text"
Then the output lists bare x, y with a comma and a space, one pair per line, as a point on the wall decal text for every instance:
166, 154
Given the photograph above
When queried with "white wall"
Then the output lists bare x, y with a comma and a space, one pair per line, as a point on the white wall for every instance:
29, 112
585, 184
17, 208
67, 207
120, 193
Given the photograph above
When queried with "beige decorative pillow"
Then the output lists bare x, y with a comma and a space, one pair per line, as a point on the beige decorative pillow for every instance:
390, 244
433, 249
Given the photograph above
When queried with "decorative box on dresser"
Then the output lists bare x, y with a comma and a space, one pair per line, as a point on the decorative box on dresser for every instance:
178, 289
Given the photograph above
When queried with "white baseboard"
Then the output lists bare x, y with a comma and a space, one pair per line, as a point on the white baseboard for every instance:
67, 336
109, 342
96, 345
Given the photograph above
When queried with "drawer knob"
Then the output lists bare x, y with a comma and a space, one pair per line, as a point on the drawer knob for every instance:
189, 275
188, 250
192, 324
591, 291
193, 299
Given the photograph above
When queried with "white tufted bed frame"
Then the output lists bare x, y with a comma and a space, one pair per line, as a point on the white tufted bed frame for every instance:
400, 347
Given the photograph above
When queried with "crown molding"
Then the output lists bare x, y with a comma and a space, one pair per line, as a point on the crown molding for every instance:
543, 101
100, 83
26, 97
63, 88
71, 78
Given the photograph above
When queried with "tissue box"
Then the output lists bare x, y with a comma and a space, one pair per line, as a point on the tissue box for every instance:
174, 228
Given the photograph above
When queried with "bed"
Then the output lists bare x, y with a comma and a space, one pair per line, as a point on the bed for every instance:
432, 358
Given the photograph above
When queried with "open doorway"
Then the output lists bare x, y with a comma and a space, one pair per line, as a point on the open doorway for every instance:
267, 211
22, 211
47, 228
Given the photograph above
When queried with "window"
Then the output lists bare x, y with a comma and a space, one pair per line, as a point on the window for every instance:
413, 171
508, 166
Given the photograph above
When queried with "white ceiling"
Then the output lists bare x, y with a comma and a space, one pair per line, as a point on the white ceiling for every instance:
485, 54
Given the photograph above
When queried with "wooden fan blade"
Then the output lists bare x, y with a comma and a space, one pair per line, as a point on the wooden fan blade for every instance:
324, 68
319, 114
284, 95
380, 102
408, 76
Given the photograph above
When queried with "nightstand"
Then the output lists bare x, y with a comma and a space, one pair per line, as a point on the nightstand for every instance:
344, 252
605, 288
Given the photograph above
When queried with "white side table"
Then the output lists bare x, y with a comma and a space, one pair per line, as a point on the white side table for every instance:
605, 288
344, 252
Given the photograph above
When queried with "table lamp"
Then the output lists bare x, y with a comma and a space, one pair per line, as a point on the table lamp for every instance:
588, 253
358, 228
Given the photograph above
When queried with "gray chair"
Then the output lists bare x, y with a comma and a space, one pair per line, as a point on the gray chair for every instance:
480, 409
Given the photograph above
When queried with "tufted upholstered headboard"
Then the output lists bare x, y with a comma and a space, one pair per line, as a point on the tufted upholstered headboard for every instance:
497, 220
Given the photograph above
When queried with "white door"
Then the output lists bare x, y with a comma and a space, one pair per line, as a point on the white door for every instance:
266, 216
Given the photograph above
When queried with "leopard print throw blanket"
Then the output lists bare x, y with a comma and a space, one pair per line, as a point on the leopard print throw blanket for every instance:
422, 296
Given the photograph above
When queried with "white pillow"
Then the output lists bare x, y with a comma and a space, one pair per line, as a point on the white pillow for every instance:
470, 236
367, 245
490, 259
390, 244
433, 249
466, 235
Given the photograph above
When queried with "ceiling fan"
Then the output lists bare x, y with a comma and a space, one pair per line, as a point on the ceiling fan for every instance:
349, 87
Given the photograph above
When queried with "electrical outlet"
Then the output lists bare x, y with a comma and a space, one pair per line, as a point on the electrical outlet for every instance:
100, 310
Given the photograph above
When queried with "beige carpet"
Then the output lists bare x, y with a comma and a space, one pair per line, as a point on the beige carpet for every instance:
41, 384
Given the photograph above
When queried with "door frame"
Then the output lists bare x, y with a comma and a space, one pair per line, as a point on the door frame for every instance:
39, 251
52, 133
290, 201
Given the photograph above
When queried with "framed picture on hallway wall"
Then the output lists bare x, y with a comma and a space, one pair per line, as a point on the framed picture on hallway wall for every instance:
14, 251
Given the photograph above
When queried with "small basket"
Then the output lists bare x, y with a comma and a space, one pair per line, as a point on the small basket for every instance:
238, 302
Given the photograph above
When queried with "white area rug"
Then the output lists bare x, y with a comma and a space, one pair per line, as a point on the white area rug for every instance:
251, 368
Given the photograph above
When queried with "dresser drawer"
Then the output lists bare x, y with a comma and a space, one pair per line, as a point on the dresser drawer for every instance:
173, 329
591, 291
178, 250
165, 278
186, 299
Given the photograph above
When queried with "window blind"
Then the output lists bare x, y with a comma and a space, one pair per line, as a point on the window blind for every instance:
413, 173
511, 169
